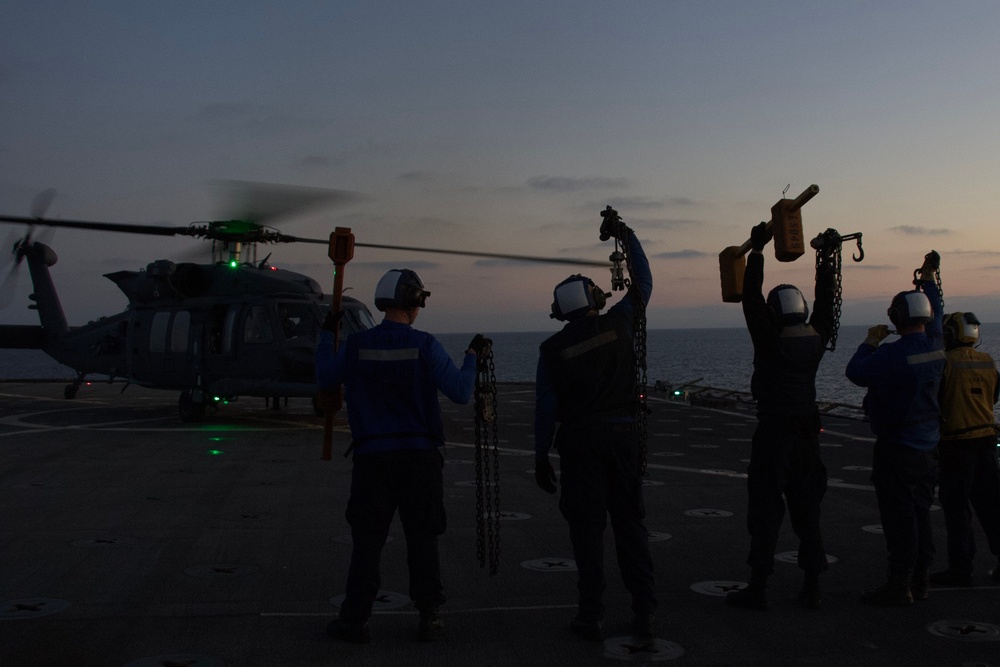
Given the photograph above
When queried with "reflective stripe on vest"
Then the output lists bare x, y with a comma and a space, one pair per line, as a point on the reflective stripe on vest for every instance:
402, 354
589, 344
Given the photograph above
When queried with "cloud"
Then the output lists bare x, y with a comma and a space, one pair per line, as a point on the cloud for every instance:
315, 163
566, 184
910, 230
625, 205
416, 177
683, 254
871, 267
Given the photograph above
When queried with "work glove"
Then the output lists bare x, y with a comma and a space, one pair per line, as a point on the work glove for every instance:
545, 476
759, 236
926, 273
332, 320
612, 225
876, 334
479, 344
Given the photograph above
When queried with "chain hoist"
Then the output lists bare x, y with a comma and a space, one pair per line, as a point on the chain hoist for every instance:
619, 281
932, 262
829, 246
487, 462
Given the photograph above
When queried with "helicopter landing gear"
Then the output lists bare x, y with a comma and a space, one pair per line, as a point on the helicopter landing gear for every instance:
70, 391
190, 409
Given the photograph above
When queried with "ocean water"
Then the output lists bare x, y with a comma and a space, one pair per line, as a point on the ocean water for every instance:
720, 358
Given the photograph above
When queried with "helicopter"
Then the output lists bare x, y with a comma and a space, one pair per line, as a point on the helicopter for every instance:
236, 326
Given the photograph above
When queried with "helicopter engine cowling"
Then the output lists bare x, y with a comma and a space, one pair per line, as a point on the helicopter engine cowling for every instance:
162, 280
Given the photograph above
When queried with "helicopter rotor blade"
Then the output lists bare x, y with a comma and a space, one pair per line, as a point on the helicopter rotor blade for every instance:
40, 204
259, 202
156, 230
576, 261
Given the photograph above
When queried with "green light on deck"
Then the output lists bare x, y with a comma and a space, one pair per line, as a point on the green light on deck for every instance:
215, 452
233, 264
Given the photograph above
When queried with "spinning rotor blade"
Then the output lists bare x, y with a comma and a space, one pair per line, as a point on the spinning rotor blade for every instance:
465, 253
158, 230
259, 202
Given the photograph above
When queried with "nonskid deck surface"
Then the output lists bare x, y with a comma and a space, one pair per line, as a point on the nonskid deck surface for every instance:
131, 538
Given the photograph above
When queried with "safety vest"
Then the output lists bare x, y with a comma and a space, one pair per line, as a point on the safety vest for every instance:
592, 365
784, 378
968, 390
392, 401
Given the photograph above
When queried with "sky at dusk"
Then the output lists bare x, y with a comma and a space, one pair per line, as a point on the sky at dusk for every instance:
507, 127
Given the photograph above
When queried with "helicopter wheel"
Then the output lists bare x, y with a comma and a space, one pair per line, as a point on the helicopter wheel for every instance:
189, 409
70, 391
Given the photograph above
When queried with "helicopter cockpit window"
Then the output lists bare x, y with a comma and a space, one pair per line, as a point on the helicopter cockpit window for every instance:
179, 331
296, 319
258, 326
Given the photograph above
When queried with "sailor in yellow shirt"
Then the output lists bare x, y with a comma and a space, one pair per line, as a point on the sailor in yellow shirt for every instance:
970, 476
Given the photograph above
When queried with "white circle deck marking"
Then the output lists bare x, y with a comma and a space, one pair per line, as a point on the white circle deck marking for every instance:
857, 468
875, 529
651, 482
668, 454
704, 446
964, 630
550, 565
654, 536
626, 648
27, 608
709, 513
718, 588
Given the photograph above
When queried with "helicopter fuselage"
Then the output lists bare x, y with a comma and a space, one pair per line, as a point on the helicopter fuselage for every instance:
211, 331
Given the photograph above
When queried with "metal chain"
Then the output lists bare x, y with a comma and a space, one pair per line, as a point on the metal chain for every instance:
838, 290
639, 342
487, 481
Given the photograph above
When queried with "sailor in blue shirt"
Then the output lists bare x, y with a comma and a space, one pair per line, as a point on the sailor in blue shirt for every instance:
392, 374
586, 381
903, 379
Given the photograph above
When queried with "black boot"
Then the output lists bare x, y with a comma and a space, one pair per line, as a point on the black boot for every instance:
809, 596
430, 628
754, 596
894, 593
642, 631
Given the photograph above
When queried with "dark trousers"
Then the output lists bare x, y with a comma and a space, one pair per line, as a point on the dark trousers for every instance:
785, 467
600, 473
411, 481
969, 475
904, 480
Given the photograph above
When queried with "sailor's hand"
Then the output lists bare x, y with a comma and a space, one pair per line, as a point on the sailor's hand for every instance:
931, 265
479, 344
332, 320
759, 236
545, 476
876, 334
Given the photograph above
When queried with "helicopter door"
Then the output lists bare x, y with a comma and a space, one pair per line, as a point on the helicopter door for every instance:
166, 362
